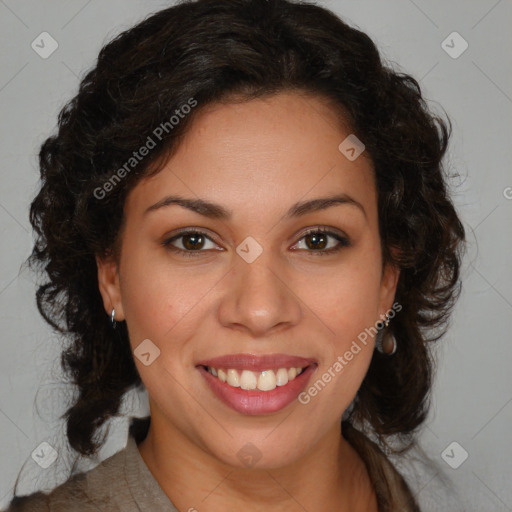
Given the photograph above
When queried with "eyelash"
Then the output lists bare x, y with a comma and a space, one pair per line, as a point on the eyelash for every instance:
343, 242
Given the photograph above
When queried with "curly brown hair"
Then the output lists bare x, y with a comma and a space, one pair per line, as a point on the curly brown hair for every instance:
211, 50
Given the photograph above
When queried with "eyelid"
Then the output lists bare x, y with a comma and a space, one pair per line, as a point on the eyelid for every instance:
323, 229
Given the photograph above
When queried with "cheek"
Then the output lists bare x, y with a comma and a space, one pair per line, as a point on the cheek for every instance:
148, 303
147, 296
350, 309
158, 304
163, 301
348, 299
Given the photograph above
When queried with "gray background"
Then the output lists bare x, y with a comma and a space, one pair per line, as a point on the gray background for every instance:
473, 392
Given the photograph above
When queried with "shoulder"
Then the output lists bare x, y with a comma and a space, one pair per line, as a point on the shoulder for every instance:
69, 496
36, 501
83, 492
429, 481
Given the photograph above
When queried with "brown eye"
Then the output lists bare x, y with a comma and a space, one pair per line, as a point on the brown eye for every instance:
317, 241
190, 243
193, 241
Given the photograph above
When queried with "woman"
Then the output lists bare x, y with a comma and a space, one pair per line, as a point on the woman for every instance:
244, 212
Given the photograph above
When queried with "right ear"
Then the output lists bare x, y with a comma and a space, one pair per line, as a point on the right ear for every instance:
108, 283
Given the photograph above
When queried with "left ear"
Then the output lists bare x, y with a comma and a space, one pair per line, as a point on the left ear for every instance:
388, 286
108, 283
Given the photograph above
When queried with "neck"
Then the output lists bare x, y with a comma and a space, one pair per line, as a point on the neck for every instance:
330, 476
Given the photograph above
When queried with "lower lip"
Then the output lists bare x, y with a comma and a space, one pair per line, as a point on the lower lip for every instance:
254, 401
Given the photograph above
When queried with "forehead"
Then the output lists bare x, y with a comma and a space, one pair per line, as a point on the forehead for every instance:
261, 154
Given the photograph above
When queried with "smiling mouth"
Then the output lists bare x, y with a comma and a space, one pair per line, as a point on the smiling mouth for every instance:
266, 380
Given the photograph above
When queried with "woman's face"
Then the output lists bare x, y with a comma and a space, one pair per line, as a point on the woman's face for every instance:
253, 283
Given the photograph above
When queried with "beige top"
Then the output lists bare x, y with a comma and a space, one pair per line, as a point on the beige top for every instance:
123, 483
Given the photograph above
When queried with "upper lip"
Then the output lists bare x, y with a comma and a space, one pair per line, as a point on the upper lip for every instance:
257, 363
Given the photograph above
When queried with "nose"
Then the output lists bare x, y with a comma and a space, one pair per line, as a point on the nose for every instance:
259, 298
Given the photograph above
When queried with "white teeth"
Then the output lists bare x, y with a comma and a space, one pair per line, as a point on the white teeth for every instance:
233, 379
266, 380
248, 380
282, 377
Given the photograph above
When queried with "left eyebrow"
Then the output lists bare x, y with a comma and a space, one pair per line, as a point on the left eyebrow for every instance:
322, 203
216, 211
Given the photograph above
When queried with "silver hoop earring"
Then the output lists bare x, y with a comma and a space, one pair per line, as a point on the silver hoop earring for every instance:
386, 342
113, 318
